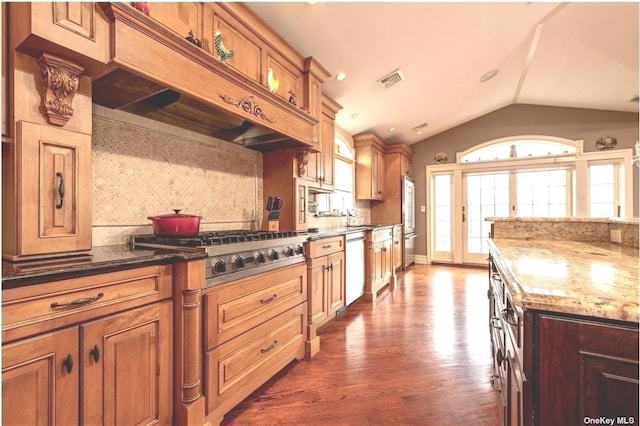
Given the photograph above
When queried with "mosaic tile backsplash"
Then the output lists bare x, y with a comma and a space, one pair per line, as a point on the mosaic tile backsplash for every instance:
143, 168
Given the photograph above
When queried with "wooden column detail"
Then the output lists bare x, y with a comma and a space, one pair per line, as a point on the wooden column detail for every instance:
188, 281
303, 161
61, 78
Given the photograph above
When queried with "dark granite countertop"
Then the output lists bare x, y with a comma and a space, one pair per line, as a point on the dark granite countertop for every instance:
342, 230
98, 260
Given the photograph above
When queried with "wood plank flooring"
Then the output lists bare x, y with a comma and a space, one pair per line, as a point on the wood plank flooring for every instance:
419, 355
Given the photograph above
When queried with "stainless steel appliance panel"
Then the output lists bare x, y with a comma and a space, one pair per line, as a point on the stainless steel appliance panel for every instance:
408, 205
354, 264
409, 256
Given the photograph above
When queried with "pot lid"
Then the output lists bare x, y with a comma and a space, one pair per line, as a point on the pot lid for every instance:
176, 214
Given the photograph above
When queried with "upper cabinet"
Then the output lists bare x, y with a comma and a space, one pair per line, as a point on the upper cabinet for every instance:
397, 159
370, 167
74, 30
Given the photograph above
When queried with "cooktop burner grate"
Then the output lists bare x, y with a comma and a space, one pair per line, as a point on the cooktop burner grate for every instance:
215, 238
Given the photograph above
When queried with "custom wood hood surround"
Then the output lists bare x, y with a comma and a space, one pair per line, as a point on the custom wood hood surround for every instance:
156, 73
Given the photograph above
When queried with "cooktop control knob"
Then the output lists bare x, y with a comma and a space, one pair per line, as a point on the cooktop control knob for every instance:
289, 251
274, 255
238, 262
260, 257
219, 267
300, 249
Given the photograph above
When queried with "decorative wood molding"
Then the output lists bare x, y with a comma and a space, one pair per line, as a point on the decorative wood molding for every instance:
303, 161
61, 79
249, 105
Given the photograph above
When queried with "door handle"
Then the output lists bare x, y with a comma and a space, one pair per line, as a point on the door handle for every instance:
61, 190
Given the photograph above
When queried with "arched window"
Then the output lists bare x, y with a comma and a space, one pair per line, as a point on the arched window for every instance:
520, 147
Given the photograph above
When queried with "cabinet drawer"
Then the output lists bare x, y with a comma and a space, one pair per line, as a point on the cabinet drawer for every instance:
382, 234
30, 310
325, 246
234, 308
238, 367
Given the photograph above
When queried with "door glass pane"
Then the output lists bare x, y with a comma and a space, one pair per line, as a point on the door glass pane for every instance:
442, 216
542, 193
602, 190
487, 196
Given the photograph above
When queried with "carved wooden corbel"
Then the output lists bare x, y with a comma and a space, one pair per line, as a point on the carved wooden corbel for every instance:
61, 80
303, 161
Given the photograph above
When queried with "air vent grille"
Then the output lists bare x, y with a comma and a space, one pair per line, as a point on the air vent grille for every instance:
391, 79
634, 99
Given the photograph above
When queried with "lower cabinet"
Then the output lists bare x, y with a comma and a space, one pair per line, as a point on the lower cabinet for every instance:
577, 368
398, 237
253, 327
326, 282
113, 368
40, 380
379, 265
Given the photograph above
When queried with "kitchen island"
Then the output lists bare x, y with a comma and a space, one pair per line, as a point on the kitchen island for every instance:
564, 329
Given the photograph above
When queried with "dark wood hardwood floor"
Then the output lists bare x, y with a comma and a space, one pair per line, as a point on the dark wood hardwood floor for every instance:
419, 355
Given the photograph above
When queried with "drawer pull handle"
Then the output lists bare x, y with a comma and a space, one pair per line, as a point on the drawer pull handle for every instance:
68, 363
326, 246
494, 322
489, 293
61, 190
269, 299
95, 353
509, 317
271, 346
77, 303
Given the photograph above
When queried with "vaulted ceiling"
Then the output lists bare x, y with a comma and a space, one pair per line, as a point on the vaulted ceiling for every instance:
582, 55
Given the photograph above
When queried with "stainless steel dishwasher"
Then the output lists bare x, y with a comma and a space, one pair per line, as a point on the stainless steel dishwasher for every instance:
354, 264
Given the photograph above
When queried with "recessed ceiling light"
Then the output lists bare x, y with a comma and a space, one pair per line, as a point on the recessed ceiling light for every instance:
341, 76
419, 132
391, 129
488, 75
354, 115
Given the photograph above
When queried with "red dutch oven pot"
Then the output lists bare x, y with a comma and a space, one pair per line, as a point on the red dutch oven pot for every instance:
176, 225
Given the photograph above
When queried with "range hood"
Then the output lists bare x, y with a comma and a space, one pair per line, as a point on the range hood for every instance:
186, 87
127, 92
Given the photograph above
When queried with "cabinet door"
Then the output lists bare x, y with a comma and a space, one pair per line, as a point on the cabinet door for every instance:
40, 384
289, 78
378, 264
387, 266
327, 154
301, 191
247, 48
317, 290
54, 186
336, 282
378, 175
127, 373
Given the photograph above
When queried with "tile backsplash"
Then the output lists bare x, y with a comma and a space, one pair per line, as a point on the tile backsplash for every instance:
143, 168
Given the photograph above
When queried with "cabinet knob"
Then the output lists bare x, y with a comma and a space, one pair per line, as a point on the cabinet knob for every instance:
499, 357
68, 363
495, 323
95, 353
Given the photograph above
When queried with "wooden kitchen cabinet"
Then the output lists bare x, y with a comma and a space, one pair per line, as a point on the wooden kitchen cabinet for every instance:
74, 30
397, 157
279, 181
313, 76
326, 275
49, 171
593, 363
40, 380
90, 350
370, 167
379, 266
253, 328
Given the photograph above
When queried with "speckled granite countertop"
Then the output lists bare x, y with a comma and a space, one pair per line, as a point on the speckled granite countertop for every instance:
582, 278
99, 260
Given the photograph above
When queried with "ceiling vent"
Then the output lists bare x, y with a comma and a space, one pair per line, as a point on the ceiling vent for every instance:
634, 99
418, 129
391, 79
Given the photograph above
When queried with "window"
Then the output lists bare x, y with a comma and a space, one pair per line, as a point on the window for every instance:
528, 176
521, 148
602, 190
542, 193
